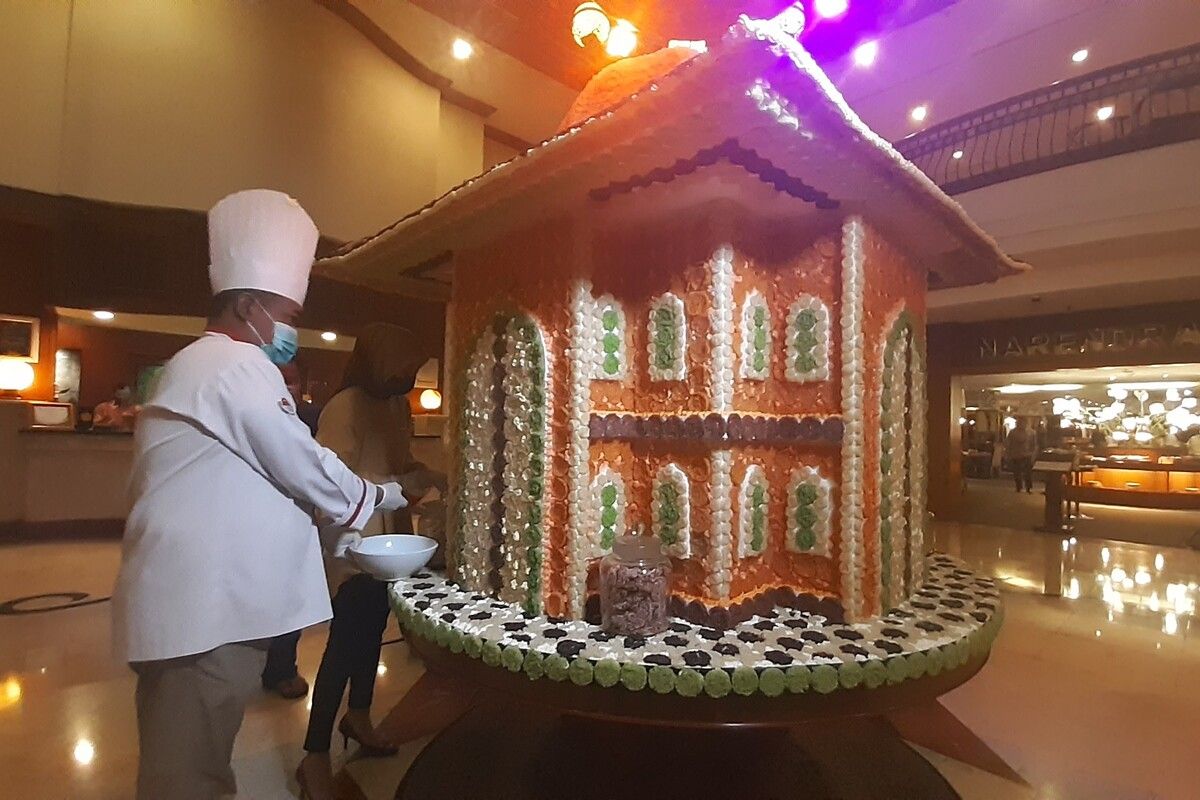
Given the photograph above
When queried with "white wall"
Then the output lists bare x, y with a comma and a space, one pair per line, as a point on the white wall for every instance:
178, 103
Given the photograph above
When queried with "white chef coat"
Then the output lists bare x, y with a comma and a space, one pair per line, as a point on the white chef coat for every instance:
220, 544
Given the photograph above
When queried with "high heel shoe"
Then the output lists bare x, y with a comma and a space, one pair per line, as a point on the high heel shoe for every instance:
367, 749
321, 790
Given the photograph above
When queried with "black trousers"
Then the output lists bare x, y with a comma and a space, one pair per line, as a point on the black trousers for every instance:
1022, 470
281, 660
360, 613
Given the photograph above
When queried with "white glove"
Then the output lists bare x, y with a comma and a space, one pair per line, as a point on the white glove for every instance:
391, 497
345, 543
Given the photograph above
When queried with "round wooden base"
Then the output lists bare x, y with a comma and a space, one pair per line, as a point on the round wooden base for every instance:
504, 751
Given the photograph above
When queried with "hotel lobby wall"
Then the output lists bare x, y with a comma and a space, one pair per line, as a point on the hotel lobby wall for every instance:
1165, 333
176, 104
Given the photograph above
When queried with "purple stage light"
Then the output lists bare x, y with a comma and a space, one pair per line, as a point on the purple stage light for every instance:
831, 8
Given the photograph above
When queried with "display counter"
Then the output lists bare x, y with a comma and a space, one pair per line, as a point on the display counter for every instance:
1144, 481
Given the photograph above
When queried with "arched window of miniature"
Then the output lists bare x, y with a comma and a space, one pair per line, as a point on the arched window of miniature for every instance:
753, 512
479, 466
608, 502
809, 512
756, 338
610, 335
524, 414
667, 340
894, 480
671, 511
808, 340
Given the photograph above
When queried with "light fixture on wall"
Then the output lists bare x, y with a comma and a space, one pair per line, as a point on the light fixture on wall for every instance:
431, 399
1080, 55
831, 8
1104, 113
590, 20
957, 154
623, 39
462, 49
919, 113
329, 336
104, 316
15, 377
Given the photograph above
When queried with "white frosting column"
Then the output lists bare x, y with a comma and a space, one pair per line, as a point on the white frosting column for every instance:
581, 356
720, 533
477, 443
721, 333
916, 461
852, 405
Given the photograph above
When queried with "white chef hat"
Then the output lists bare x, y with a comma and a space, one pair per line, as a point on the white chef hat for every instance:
261, 239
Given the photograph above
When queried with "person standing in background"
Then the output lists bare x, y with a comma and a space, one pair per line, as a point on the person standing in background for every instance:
368, 423
1021, 446
281, 675
220, 553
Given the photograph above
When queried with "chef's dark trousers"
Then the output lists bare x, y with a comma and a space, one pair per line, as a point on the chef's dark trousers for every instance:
281, 660
360, 613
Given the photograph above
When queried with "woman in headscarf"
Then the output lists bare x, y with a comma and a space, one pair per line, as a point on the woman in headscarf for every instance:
368, 424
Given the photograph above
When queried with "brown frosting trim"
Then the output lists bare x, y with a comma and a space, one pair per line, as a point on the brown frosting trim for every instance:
725, 617
717, 428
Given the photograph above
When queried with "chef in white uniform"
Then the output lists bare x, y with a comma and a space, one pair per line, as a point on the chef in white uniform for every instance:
220, 552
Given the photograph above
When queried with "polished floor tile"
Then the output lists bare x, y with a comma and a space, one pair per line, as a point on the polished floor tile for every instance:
1091, 691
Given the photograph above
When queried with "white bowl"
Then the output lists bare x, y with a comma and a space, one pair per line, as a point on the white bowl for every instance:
392, 556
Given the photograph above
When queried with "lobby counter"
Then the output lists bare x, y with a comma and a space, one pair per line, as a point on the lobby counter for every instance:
57, 483
1170, 482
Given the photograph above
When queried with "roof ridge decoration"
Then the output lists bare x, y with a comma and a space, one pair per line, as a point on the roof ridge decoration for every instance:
411, 239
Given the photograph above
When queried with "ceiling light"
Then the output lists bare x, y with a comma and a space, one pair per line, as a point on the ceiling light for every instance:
104, 316
623, 39
830, 8
1028, 388
865, 53
957, 154
919, 113
1155, 386
1080, 55
1104, 113
329, 336
462, 49
84, 752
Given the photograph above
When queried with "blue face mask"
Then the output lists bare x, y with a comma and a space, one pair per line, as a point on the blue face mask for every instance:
284, 344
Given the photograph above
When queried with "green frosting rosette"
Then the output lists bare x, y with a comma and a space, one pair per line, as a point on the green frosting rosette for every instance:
874, 674
607, 672
745, 681
689, 682
662, 680
512, 659
472, 646
535, 666
717, 683
491, 654
442, 635
933, 661
457, 645
798, 679
824, 678
897, 669
580, 672
556, 668
850, 675
633, 677
918, 664
772, 682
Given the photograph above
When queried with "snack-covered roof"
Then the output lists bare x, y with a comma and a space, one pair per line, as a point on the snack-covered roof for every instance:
756, 105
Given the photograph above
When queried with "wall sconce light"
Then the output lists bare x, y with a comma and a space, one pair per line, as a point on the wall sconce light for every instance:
431, 400
15, 377
590, 20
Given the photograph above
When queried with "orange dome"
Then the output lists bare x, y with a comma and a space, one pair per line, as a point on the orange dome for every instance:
620, 79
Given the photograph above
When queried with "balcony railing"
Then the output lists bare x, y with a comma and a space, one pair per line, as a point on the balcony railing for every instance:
1137, 105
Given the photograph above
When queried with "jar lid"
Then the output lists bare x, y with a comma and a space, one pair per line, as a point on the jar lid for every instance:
638, 548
